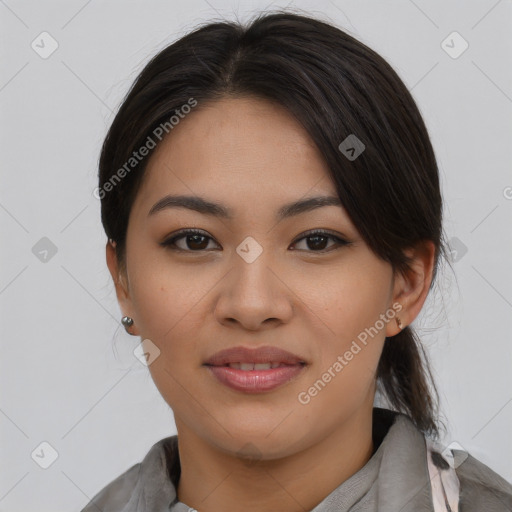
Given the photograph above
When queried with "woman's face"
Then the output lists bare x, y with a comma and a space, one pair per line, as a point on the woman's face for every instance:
254, 279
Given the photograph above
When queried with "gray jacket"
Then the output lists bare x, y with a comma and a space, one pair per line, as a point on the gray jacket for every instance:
406, 473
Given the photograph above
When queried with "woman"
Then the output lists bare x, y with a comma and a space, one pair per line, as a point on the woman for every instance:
272, 204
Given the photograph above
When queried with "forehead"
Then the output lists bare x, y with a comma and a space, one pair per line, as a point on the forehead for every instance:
237, 147
242, 118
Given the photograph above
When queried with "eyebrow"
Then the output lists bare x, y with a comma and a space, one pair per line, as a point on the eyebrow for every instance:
206, 207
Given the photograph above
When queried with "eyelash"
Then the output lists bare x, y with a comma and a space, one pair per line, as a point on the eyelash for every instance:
169, 243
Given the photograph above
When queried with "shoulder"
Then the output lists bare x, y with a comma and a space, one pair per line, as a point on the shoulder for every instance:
117, 493
149, 481
480, 487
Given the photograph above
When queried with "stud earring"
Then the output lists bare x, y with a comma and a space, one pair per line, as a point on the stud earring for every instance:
127, 322
399, 323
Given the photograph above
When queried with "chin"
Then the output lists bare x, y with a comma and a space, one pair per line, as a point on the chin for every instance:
264, 443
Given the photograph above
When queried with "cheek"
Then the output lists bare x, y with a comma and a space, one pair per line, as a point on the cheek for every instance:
352, 334
170, 313
348, 300
348, 355
165, 297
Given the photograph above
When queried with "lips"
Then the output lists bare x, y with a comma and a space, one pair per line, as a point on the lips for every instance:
241, 357
255, 370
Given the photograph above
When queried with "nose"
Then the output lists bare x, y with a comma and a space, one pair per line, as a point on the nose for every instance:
253, 296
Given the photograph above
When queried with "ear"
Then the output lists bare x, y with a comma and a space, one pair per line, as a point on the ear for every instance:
121, 284
411, 287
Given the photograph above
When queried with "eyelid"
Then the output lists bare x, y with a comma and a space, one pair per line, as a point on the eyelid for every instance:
322, 232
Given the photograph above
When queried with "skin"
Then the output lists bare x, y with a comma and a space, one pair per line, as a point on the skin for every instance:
311, 300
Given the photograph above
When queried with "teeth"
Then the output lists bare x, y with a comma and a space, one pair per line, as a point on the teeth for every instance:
263, 366
253, 366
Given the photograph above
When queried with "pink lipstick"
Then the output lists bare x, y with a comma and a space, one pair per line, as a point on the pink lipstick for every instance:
255, 370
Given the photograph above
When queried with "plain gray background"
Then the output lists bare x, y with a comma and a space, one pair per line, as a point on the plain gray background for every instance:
68, 376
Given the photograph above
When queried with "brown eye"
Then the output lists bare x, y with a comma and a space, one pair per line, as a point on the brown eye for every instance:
316, 241
193, 241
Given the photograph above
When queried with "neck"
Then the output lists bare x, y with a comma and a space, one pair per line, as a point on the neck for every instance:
215, 481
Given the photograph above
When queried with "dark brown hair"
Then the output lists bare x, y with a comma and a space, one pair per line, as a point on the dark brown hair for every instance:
335, 86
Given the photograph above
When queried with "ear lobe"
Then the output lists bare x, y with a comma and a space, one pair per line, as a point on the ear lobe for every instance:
411, 286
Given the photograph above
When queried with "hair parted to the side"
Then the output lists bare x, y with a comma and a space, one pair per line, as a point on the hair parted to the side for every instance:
334, 86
